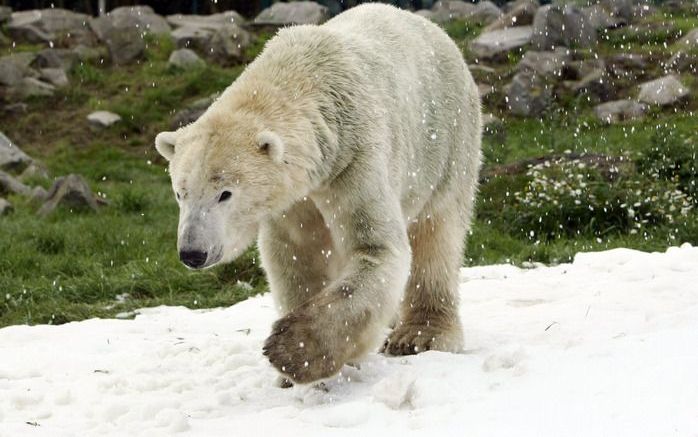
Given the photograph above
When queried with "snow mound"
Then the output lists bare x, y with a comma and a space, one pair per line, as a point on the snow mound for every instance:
607, 345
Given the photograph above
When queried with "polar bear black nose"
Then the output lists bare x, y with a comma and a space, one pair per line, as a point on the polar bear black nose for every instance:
193, 258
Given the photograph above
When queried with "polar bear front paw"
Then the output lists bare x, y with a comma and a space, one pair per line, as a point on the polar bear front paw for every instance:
413, 339
297, 351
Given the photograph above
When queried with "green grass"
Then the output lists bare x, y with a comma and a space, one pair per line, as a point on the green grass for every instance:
74, 265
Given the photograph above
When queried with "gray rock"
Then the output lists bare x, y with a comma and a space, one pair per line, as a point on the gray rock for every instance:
484, 90
599, 18
622, 9
34, 171
683, 62
562, 25
547, 64
620, 110
191, 37
5, 207
191, 113
142, 19
227, 46
689, 42
597, 84
10, 185
527, 94
103, 119
88, 54
45, 25
285, 14
5, 14
184, 59
447, 10
498, 42
12, 158
485, 12
664, 91
54, 76
70, 191
12, 70
426, 13
56, 58
208, 22
125, 45
123, 29
32, 87
520, 15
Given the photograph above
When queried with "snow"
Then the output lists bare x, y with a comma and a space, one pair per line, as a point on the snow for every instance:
605, 346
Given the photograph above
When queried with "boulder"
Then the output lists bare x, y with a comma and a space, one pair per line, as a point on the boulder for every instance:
88, 54
620, 110
14, 68
54, 76
227, 46
103, 119
191, 37
12, 158
45, 25
125, 45
191, 113
56, 58
689, 42
184, 59
620, 9
70, 191
683, 62
664, 91
562, 25
32, 87
498, 42
142, 19
596, 84
520, 15
485, 12
123, 29
546, 64
208, 22
527, 94
286, 14
447, 10
10, 185
599, 18
5, 207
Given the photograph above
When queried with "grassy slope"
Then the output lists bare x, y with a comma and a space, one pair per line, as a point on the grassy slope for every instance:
73, 265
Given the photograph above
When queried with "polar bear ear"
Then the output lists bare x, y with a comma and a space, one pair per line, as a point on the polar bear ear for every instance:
165, 144
272, 144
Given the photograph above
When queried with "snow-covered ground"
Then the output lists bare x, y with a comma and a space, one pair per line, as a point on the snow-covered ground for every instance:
606, 346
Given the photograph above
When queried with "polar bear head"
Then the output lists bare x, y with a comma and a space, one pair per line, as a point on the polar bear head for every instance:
228, 173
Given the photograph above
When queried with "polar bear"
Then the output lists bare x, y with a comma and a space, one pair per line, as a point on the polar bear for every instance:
350, 151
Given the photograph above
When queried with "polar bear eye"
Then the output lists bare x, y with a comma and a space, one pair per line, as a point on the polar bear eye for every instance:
178, 196
225, 195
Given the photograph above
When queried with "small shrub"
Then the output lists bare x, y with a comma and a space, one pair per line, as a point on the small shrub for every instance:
674, 158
